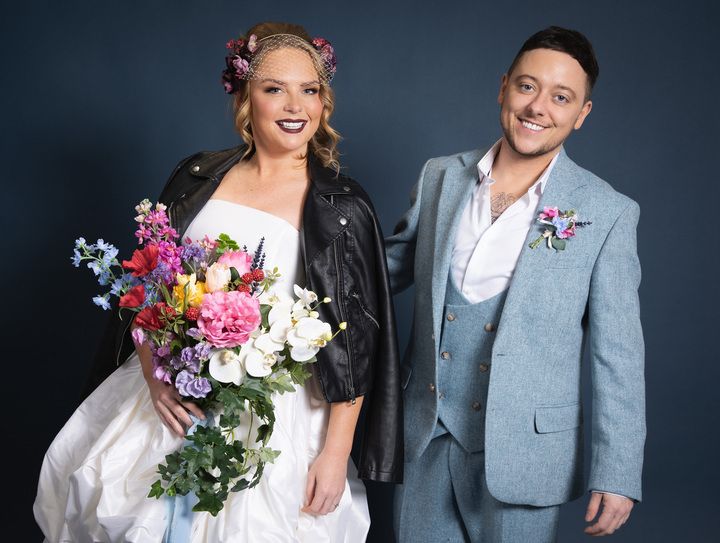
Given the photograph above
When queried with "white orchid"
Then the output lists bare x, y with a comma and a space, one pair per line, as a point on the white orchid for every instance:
226, 366
305, 297
259, 355
307, 337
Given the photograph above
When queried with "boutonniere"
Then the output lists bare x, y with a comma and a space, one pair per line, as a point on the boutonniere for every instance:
559, 226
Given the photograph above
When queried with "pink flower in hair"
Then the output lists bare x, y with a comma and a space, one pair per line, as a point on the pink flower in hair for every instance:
252, 43
228, 318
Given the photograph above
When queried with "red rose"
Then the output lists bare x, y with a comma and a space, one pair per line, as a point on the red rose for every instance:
143, 261
133, 297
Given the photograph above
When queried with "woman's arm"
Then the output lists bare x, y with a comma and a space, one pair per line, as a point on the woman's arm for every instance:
328, 474
166, 400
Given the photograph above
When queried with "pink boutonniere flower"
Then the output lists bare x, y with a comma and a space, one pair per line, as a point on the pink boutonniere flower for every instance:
559, 227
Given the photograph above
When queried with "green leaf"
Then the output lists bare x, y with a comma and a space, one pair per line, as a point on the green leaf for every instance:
156, 490
558, 244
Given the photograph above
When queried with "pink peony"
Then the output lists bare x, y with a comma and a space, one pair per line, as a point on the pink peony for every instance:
228, 318
239, 260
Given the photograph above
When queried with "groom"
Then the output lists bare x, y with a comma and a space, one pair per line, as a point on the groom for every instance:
493, 407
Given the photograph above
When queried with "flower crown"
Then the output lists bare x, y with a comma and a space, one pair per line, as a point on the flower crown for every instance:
242, 59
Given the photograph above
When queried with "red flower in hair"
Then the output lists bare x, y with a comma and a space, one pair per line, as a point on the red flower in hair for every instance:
143, 261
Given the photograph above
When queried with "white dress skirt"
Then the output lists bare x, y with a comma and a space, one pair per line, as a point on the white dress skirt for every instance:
98, 471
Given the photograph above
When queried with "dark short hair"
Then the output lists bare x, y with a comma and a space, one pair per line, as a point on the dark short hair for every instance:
567, 41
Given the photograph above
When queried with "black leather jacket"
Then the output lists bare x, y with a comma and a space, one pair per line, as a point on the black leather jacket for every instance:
344, 258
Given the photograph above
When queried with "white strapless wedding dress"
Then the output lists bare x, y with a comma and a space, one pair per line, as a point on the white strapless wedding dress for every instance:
98, 470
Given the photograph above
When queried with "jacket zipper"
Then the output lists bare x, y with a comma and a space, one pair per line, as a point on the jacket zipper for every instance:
342, 315
364, 310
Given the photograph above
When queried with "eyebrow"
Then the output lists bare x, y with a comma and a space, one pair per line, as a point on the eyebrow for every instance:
561, 87
284, 84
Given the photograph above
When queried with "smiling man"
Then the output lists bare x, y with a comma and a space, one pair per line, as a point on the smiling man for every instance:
532, 258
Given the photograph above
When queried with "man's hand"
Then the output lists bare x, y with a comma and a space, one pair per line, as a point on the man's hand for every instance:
615, 512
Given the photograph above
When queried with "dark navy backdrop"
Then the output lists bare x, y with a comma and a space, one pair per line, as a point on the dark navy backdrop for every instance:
101, 99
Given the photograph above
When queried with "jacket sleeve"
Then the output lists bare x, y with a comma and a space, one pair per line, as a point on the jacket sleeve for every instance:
382, 451
400, 247
617, 362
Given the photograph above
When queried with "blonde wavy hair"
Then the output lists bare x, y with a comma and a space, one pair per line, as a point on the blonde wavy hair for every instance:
323, 144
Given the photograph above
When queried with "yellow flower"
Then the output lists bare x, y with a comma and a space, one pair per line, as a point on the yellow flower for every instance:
189, 286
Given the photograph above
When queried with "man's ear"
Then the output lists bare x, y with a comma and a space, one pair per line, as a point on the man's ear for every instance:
503, 88
584, 112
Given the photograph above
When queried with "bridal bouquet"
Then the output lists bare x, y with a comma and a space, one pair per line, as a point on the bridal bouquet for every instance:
220, 336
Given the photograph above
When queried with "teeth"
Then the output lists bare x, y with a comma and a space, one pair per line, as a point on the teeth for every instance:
531, 126
291, 126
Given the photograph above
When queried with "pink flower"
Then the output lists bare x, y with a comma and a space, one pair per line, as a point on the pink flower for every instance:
239, 260
567, 233
228, 318
548, 213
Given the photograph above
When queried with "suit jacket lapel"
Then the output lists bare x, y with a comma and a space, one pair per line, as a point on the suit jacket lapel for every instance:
564, 179
457, 185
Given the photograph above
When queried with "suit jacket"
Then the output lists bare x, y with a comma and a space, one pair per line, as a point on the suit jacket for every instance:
557, 302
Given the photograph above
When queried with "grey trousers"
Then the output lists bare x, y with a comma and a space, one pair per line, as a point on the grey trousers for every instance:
444, 497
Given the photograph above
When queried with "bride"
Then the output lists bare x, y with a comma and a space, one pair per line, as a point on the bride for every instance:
319, 228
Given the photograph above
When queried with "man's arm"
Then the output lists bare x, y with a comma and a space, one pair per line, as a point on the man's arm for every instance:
400, 247
617, 368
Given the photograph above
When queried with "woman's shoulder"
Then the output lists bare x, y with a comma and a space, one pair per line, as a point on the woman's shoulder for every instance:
199, 166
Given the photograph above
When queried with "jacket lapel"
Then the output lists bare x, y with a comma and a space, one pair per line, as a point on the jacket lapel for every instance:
323, 221
564, 180
457, 185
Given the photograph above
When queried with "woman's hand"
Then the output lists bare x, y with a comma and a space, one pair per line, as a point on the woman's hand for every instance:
325, 483
328, 474
166, 400
168, 404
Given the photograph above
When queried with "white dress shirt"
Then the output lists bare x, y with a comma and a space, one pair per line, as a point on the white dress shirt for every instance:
485, 253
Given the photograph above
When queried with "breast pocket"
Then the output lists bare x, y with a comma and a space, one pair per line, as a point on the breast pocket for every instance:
560, 260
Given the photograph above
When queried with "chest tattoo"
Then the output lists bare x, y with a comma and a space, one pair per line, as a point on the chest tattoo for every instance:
499, 203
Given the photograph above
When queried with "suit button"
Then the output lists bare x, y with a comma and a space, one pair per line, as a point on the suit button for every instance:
431, 387
484, 367
195, 169
476, 406
489, 327
445, 355
450, 317
441, 396
343, 221
346, 188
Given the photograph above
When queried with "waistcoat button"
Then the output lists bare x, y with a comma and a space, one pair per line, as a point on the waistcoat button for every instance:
431, 387
450, 317
489, 327
343, 221
484, 367
476, 406
444, 355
